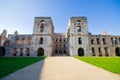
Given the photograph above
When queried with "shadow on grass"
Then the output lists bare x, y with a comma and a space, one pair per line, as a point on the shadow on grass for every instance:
31, 72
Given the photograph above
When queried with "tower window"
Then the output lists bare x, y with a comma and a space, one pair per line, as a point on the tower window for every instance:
42, 25
78, 23
79, 40
79, 29
41, 41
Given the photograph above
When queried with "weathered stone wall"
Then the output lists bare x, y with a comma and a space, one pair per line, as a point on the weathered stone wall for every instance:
78, 41
78, 29
47, 44
60, 44
110, 42
43, 28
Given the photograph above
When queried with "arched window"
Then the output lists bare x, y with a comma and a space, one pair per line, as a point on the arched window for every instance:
29, 40
117, 51
42, 21
100, 51
28, 51
2, 51
42, 25
106, 51
21, 51
14, 51
60, 40
79, 29
80, 52
64, 40
93, 51
41, 40
78, 23
80, 40
40, 52
92, 41
64, 51
60, 51
98, 41
56, 51
23, 40
103, 39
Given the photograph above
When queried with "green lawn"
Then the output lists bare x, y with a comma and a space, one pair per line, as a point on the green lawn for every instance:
109, 63
11, 64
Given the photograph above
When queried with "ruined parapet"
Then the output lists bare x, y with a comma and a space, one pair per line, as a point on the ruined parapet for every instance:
3, 37
4, 33
16, 33
43, 25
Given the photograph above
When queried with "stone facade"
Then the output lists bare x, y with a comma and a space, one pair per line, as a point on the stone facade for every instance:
44, 42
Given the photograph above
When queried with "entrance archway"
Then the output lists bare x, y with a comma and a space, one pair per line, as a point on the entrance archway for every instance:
117, 51
80, 52
40, 52
2, 51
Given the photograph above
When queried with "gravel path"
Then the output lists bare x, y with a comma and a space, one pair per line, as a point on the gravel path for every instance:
69, 68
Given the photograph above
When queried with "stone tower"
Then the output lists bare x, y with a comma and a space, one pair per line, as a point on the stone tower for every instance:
77, 32
43, 35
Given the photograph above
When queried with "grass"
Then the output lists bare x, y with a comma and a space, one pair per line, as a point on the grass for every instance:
111, 64
11, 64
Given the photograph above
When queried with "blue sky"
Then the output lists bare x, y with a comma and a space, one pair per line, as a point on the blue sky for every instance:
19, 14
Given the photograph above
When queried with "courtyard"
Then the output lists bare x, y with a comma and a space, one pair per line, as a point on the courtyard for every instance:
67, 68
